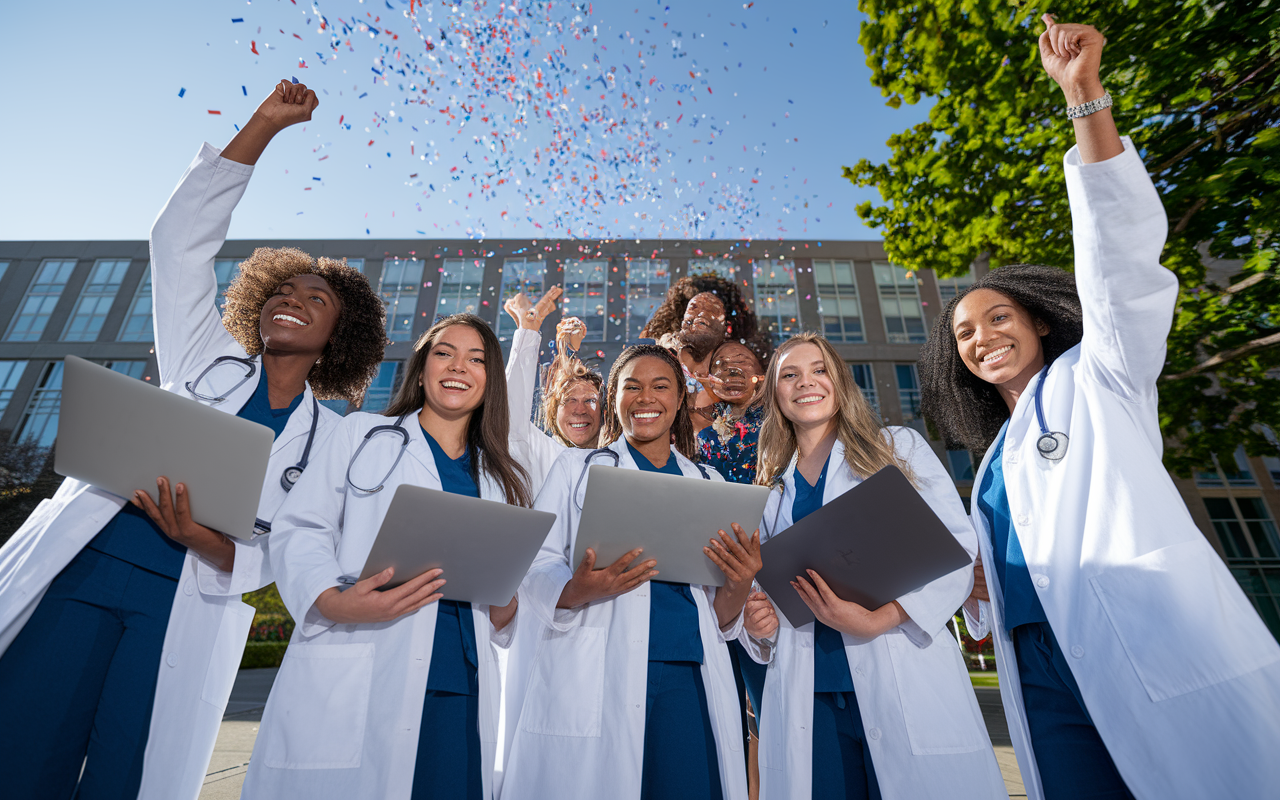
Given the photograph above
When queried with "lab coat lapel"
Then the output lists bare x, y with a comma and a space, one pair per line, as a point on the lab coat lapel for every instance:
299, 423
418, 447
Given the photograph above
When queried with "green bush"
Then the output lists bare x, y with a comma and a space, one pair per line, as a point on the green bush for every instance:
271, 628
267, 601
263, 654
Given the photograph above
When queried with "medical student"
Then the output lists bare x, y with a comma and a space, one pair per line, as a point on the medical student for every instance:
123, 623
863, 703
391, 693
631, 693
1131, 664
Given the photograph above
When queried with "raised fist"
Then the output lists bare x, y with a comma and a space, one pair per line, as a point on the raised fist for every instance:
1072, 55
289, 104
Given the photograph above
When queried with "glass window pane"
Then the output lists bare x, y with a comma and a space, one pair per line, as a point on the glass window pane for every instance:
961, 464
137, 325
722, 267
401, 280
133, 369
776, 305
518, 275
384, 386
224, 272
461, 283
948, 288
584, 295
40, 421
908, 391
900, 304
647, 283
866, 382
10, 374
39, 301
95, 301
838, 303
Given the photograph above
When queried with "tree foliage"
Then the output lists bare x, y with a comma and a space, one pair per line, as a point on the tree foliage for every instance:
1196, 85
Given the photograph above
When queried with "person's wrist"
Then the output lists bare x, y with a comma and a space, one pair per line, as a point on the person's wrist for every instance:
1082, 92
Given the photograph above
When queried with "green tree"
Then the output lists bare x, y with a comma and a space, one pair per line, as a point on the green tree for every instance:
1196, 85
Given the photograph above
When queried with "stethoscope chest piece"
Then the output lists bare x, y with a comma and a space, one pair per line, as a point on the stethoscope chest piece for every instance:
1052, 446
290, 477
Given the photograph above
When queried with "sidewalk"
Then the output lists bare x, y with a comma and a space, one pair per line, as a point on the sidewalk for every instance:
249, 696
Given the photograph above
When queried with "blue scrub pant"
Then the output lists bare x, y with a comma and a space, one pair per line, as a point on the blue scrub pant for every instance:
449, 756
680, 758
78, 682
1073, 761
842, 765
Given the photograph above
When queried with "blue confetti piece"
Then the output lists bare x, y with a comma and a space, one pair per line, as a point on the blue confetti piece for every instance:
295, 80
361, 97
246, 91
182, 91
315, 179
793, 30
237, 19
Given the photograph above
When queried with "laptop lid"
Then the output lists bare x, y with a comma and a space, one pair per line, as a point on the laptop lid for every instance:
120, 434
872, 544
671, 516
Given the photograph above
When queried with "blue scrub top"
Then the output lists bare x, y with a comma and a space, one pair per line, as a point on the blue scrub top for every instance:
132, 537
1021, 604
830, 664
454, 659
673, 615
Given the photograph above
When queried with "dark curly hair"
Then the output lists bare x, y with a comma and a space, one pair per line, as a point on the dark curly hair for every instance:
966, 410
350, 360
682, 435
740, 319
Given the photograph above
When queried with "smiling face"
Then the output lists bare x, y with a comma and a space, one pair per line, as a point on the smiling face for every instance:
453, 375
805, 393
737, 373
649, 395
578, 417
300, 317
704, 326
998, 339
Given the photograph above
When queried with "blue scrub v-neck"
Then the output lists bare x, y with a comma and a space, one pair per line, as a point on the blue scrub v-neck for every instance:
1021, 603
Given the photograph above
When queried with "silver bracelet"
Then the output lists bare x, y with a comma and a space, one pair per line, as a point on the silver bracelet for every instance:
1091, 107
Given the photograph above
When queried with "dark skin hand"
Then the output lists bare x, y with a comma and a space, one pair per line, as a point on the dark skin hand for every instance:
738, 557
173, 517
589, 584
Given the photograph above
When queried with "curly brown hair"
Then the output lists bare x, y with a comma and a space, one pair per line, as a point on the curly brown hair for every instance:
350, 360
564, 374
739, 318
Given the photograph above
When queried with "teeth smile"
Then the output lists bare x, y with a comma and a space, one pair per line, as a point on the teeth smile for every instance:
288, 318
646, 415
995, 354
579, 424
454, 385
804, 401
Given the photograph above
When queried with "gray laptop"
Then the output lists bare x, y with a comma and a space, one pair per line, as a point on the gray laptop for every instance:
872, 544
484, 547
120, 434
672, 517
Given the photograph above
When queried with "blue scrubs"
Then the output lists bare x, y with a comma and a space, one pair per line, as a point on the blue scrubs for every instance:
1071, 757
80, 678
449, 761
680, 758
841, 762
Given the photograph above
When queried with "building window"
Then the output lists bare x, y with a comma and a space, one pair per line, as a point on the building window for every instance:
137, 323
38, 303
776, 305
867, 383
133, 369
10, 374
401, 280
584, 295
357, 264
461, 283
40, 420
908, 391
647, 283
95, 301
838, 303
224, 272
950, 288
900, 304
721, 267
518, 275
384, 386
961, 464
4, 267
1233, 471
1248, 536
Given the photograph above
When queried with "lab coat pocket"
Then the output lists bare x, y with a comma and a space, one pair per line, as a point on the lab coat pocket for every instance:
1182, 619
318, 708
565, 694
938, 703
228, 649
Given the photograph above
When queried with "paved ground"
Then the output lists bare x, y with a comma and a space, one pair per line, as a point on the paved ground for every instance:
244, 711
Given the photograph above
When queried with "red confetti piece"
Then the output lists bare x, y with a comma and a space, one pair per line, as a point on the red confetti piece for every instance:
253, 46
215, 112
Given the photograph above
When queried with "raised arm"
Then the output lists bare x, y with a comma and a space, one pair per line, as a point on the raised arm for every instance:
192, 227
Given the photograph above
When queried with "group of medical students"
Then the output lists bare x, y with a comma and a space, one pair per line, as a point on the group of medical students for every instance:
121, 626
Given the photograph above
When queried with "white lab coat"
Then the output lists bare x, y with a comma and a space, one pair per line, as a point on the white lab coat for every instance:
343, 716
541, 449
208, 624
923, 726
1178, 673
580, 731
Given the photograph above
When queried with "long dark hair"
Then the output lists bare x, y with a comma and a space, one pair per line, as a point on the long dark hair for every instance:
681, 429
966, 410
490, 424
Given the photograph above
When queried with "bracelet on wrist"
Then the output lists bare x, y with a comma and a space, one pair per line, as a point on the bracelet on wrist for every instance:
1091, 107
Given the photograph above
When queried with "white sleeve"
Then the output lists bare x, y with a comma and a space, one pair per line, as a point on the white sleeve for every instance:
186, 236
522, 379
551, 569
250, 572
1119, 229
979, 628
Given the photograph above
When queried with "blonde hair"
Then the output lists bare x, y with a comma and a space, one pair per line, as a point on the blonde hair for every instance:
868, 447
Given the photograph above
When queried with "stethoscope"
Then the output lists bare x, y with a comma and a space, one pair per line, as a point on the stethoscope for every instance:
397, 428
1052, 445
290, 475
605, 451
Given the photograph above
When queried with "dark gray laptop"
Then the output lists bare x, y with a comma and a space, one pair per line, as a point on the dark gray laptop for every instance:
672, 517
120, 434
872, 544
484, 547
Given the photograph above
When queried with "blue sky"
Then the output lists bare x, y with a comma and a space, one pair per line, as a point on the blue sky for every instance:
740, 117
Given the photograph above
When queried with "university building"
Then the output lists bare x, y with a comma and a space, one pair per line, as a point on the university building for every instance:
93, 299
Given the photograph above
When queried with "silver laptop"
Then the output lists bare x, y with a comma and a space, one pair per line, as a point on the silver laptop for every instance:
872, 544
671, 516
120, 434
484, 547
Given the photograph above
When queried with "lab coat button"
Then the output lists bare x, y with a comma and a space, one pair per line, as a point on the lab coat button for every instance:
1042, 581
874, 733
171, 660
1023, 519
1013, 458
187, 588
859, 672
1077, 651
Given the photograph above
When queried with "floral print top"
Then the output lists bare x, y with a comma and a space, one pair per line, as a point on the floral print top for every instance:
729, 445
